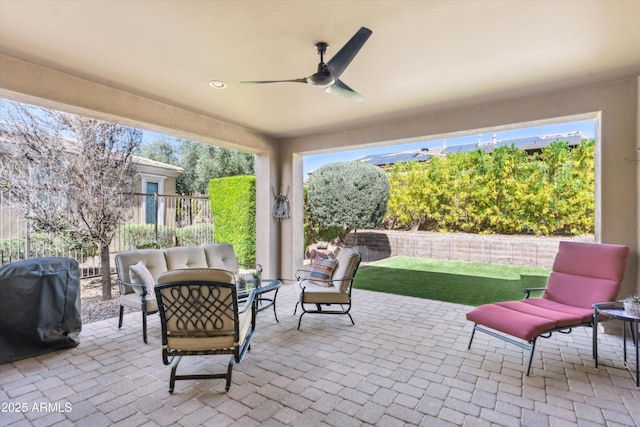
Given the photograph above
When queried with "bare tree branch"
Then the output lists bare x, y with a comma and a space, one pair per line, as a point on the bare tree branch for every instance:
70, 174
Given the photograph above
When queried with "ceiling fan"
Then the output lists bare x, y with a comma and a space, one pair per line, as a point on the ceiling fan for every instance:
328, 75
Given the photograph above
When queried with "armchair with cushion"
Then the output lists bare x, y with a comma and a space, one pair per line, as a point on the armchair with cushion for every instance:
583, 274
200, 315
327, 283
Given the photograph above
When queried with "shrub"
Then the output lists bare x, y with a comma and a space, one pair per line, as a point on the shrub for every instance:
143, 236
45, 244
194, 235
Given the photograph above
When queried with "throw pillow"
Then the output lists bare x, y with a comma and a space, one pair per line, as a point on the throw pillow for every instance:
321, 269
140, 274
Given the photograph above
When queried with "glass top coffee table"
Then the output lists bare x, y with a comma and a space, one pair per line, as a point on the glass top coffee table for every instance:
263, 299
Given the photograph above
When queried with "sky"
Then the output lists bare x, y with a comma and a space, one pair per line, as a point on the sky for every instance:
587, 127
313, 162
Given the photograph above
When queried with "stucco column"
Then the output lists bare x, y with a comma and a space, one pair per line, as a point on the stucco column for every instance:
292, 229
267, 228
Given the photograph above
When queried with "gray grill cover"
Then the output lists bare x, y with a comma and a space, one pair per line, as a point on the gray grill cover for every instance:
39, 307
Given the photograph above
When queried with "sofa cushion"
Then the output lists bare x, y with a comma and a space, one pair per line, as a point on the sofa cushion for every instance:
321, 269
139, 273
319, 293
221, 255
185, 257
153, 259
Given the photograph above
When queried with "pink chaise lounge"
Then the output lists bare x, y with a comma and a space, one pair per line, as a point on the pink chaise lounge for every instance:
583, 274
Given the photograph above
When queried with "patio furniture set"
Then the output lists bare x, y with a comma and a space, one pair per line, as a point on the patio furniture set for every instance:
205, 310
208, 305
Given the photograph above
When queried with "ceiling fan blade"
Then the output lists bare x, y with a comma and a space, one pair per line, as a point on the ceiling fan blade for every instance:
341, 89
300, 80
343, 58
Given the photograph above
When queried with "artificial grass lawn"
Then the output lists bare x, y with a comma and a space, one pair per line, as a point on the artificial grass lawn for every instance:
460, 282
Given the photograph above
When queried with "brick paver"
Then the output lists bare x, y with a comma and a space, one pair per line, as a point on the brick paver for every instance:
404, 362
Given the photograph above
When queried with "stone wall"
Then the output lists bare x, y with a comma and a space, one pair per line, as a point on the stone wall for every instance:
528, 251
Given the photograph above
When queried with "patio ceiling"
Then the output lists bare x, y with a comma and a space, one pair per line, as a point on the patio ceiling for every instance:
423, 56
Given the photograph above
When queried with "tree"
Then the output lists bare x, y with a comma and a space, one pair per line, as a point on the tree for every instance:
201, 162
70, 174
350, 195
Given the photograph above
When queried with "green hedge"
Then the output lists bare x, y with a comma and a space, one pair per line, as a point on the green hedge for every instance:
233, 203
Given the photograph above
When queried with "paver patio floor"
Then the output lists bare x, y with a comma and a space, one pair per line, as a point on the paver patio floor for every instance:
405, 362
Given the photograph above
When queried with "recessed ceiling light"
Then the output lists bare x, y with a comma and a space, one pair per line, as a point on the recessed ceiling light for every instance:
217, 84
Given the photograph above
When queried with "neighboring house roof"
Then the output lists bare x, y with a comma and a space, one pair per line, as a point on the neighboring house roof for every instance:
528, 144
144, 165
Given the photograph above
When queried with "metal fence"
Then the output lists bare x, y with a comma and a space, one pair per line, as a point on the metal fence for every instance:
155, 221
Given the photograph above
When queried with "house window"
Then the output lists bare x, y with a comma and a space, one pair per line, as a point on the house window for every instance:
153, 206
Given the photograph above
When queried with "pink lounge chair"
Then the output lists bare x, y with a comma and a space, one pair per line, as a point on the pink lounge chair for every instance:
583, 274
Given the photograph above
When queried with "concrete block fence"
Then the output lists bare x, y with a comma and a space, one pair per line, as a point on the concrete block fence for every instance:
527, 251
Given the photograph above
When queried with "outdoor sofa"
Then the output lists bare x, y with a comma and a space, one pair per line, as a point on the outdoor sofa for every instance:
138, 272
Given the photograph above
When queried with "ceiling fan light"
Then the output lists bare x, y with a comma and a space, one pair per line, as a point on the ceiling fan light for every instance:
217, 84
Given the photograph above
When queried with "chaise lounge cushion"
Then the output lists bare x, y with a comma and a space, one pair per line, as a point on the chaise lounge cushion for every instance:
522, 325
561, 315
563, 311
579, 278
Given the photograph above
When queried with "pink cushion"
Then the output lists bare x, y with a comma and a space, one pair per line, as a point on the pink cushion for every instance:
555, 314
511, 322
580, 291
582, 315
583, 274
597, 260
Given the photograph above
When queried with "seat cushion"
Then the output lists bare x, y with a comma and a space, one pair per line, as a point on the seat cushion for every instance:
213, 343
555, 313
512, 322
319, 293
582, 315
135, 301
